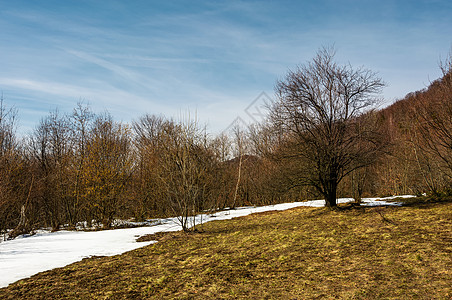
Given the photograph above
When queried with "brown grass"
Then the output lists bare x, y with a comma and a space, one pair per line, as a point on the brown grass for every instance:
303, 253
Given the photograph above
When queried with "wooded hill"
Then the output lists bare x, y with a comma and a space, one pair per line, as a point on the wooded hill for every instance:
420, 131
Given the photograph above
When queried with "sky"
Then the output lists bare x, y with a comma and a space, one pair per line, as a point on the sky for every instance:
217, 61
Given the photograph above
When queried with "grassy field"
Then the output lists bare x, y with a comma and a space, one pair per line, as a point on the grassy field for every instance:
303, 253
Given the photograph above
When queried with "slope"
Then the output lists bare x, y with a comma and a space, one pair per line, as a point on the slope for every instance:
361, 253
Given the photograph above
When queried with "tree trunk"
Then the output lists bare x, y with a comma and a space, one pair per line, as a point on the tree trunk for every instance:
330, 194
238, 181
22, 227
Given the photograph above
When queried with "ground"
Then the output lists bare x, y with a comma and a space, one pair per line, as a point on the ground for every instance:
351, 253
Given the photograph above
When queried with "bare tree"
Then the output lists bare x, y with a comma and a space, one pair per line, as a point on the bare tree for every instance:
81, 122
8, 123
222, 146
185, 163
223, 177
240, 148
108, 167
148, 193
10, 165
50, 148
323, 108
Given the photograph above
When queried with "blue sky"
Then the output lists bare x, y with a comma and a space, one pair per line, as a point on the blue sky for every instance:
212, 58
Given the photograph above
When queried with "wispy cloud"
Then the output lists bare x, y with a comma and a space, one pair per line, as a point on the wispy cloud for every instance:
215, 58
125, 73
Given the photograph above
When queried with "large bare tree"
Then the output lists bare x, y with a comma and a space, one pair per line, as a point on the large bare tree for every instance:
324, 111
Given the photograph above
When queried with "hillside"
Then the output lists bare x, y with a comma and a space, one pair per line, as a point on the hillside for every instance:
417, 129
359, 253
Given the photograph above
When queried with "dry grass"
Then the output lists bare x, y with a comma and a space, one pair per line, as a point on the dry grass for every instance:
303, 253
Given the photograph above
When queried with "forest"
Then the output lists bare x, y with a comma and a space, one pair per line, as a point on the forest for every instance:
323, 138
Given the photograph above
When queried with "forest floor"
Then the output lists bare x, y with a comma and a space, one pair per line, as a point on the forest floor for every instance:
350, 253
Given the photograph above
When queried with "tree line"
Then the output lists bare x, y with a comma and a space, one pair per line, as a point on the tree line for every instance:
323, 137
84, 167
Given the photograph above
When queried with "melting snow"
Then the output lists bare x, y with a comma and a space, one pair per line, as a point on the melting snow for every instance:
26, 256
